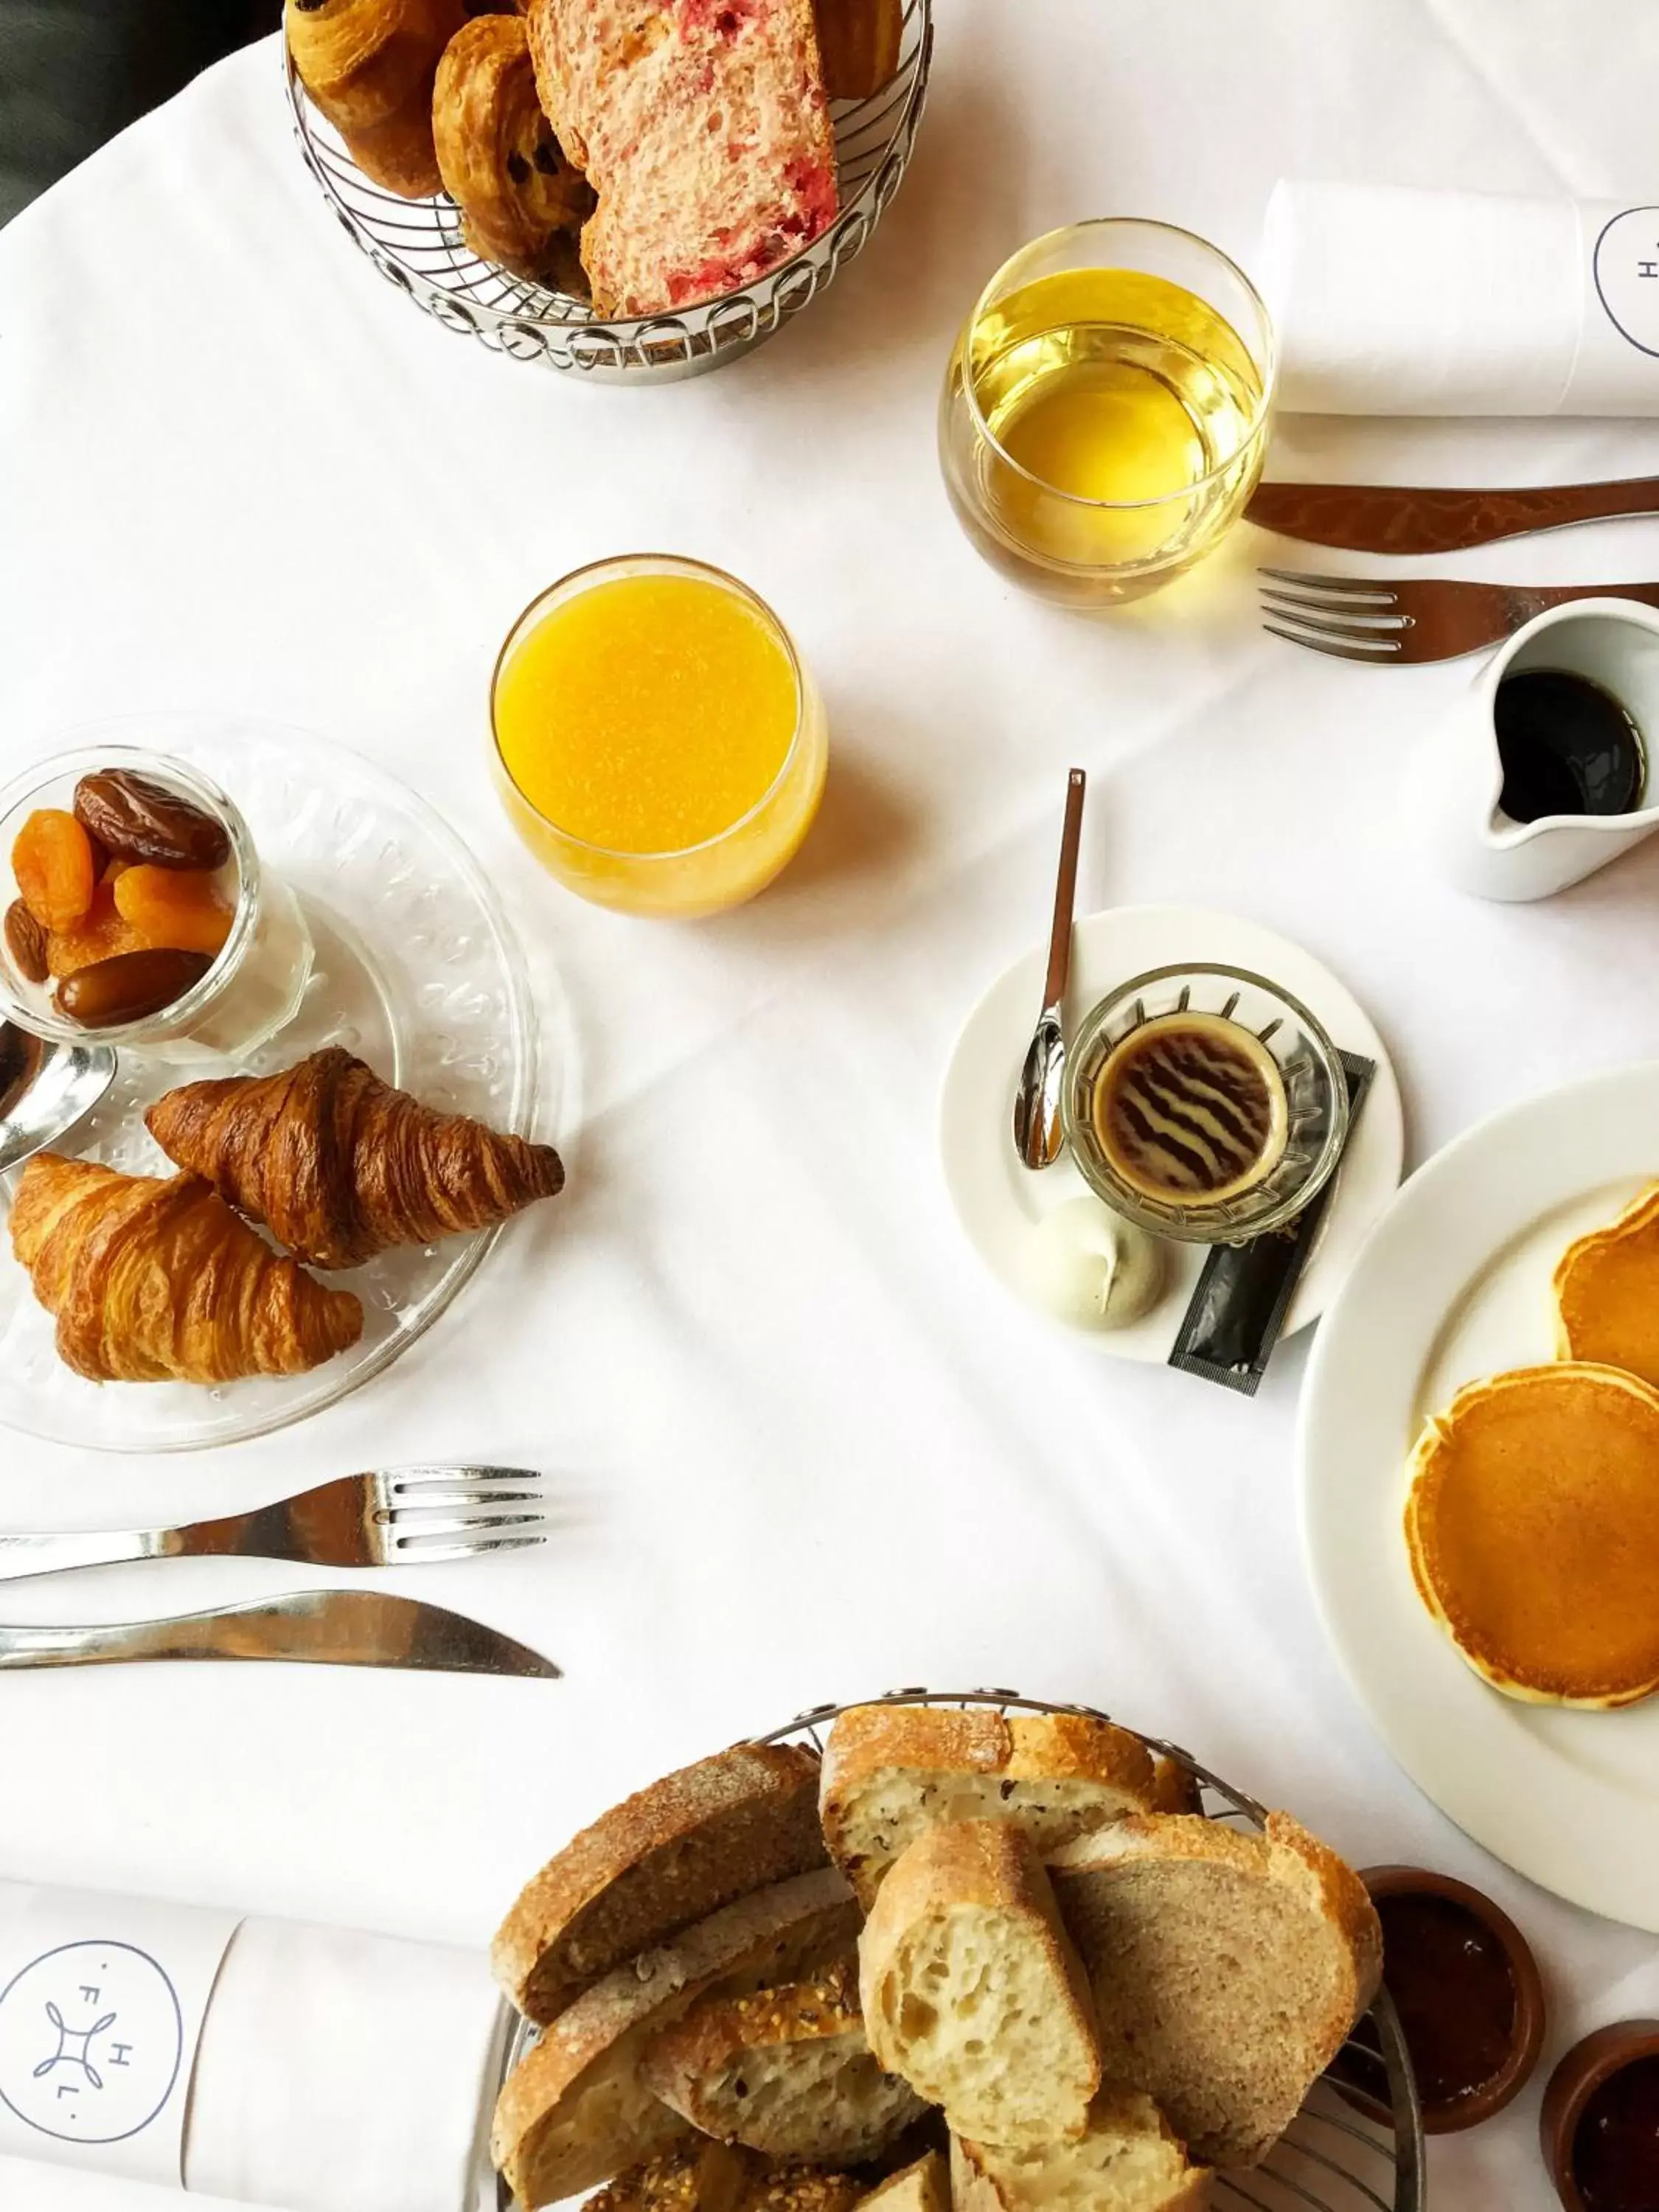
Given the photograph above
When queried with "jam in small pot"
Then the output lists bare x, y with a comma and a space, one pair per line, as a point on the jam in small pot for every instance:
1467, 1992
1615, 2146
1450, 1980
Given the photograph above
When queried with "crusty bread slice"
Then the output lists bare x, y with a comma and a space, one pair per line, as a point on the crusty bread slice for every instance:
860, 41
711, 2177
1227, 1967
1127, 2159
663, 1858
704, 128
574, 2110
891, 1770
972, 1990
787, 2071
922, 2186
1174, 1787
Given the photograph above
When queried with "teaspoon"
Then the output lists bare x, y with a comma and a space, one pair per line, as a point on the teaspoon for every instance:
1037, 1102
44, 1090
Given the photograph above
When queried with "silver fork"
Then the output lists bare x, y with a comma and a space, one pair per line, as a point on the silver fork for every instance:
1415, 617
376, 1519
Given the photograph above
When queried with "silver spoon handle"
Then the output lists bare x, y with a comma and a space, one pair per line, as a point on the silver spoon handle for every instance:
1060, 938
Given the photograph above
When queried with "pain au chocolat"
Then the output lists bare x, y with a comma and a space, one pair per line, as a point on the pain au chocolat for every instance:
1533, 1526
1607, 1292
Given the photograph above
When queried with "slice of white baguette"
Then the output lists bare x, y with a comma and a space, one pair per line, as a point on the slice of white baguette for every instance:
972, 1990
1127, 2161
923, 2186
1226, 1968
787, 2071
574, 2111
890, 1771
664, 1858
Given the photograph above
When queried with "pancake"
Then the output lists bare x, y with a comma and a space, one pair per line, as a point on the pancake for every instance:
1606, 1293
1533, 1526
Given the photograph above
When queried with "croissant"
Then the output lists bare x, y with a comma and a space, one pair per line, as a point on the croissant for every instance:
368, 65
339, 1166
155, 1280
522, 202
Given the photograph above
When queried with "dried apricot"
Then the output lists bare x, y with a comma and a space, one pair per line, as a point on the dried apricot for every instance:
100, 934
177, 908
52, 862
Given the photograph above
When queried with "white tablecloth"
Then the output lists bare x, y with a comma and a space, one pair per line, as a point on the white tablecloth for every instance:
806, 1450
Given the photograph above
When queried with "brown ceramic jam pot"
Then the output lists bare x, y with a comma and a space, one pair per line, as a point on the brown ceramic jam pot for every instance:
1467, 1990
1599, 2127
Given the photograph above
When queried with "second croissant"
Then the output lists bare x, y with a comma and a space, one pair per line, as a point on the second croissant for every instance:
339, 1166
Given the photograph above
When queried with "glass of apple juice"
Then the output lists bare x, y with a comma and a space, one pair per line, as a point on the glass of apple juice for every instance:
1105, 412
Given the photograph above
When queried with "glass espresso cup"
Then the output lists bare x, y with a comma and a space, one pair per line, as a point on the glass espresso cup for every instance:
1105, 412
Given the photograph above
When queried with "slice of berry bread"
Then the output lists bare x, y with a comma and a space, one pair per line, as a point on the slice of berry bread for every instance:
703, 126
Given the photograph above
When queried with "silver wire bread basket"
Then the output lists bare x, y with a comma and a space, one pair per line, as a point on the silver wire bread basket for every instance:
1334, 2157
416, 246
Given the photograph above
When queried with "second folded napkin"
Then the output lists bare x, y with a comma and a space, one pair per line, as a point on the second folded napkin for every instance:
1390, 300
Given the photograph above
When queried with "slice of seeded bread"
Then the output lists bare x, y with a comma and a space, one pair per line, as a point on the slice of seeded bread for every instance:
667, 1856
891, 1770
574, 2111
1226, 1968
787, 2071
1126, 2161
693, 2177
711, 2177
922, 2186
972, 1990
703, 126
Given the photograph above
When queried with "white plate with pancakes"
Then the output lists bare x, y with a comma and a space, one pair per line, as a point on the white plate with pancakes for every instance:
1455, 1284
999, 1202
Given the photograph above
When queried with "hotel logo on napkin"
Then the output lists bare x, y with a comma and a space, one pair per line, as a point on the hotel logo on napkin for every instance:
101, 2006
1626, 266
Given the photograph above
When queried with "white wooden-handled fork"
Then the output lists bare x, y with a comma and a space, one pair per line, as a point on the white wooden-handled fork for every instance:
400, 1517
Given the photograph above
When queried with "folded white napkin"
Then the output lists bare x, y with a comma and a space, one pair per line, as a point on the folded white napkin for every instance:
1394, 302
343, 2073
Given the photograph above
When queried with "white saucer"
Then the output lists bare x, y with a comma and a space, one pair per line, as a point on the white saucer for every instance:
1455, 1284
997, 1201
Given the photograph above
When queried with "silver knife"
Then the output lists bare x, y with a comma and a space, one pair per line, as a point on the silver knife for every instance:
329, 1628
1438, 518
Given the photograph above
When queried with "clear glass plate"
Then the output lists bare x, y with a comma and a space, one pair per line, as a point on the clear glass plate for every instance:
417, 971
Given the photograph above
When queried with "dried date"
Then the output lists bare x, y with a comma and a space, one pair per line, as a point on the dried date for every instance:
128, 986
135, 818
26, 943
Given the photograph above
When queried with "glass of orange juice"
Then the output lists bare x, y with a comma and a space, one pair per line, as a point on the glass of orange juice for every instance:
659, 744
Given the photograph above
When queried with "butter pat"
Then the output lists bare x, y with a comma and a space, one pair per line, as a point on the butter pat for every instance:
1089, 1267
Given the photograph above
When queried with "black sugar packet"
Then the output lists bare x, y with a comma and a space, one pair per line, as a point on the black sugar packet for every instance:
1239, 1302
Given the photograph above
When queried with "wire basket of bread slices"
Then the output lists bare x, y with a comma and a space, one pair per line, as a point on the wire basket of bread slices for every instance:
633, 192
950, 1953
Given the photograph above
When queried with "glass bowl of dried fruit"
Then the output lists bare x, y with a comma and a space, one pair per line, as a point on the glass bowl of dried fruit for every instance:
136, 910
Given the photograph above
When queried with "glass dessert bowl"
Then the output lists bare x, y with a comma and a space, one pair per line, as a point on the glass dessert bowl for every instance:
138, 913
1203, 1103
659, 744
